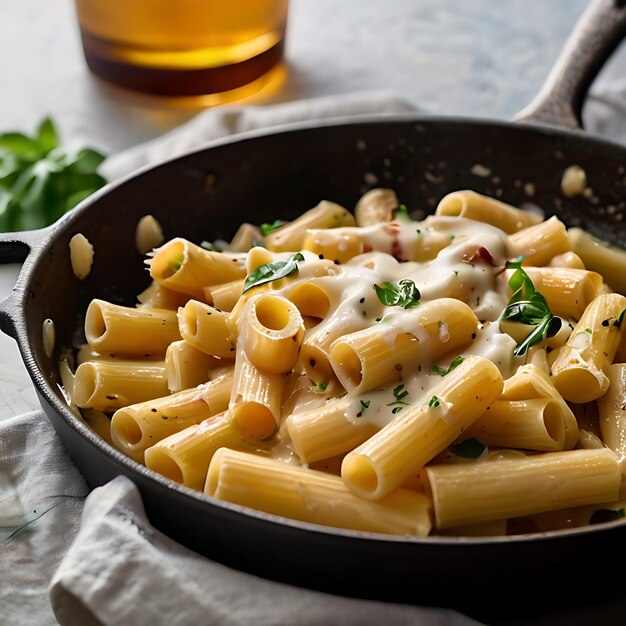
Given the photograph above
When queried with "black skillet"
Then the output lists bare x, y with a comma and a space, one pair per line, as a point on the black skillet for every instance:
263, 176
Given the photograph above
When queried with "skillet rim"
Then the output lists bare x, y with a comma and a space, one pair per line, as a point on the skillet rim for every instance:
48, 239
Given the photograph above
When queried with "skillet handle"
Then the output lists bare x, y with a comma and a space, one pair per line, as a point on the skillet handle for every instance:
598, 32
16, 248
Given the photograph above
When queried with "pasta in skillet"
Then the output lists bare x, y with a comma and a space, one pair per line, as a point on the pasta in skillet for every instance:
373, 372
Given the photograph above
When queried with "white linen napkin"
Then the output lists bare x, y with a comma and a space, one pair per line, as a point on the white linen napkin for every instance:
216, 123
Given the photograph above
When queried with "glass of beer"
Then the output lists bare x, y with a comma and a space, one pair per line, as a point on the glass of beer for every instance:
221, 49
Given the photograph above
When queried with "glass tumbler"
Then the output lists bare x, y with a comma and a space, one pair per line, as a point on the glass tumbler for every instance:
224, 49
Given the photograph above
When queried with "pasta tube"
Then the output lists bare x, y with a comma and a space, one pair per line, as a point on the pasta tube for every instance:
139, 426
182, 266
312, 496
273, 333
156, 296
290, 237
567, 291
580, 370
379, 354
256, 398
108, 386
539, 243
467, 493
224, 296
475, 206
129, 331
187, 367
207, 329
529, 411
388, 458
534, 424
601, 257
184, 456
329, 430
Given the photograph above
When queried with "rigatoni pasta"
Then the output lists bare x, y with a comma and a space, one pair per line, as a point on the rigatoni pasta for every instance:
370, 371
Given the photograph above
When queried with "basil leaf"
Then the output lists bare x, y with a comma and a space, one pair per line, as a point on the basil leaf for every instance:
469, 449
272, 271
41, 180
266, 229
47, 135
439, 370
401, 293
22, 146
527, 306
85, 161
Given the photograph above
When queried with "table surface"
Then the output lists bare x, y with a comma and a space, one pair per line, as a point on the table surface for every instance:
479, 58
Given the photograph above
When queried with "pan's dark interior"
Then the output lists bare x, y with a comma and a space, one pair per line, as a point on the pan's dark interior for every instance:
207, 195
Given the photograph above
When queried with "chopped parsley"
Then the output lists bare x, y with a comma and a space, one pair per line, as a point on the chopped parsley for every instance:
320, 386
402, 293
588, 330
439, 370
434, 402
266, 229
398, 403
620, 319
528, 306
365, 406
272, 271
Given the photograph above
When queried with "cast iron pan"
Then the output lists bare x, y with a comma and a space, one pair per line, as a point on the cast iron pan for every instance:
279, 174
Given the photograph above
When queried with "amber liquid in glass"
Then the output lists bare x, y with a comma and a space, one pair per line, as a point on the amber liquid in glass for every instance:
179, 48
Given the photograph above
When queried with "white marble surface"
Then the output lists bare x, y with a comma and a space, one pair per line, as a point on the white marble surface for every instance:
479, 58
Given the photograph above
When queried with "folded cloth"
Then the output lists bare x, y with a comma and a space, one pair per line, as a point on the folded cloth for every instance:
41, 499
216, 123
120, 570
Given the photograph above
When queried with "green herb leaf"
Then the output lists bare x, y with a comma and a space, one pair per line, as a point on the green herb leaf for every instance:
588, 330
528, 306
365, 406
399, 394
266, 229
401, 293
434, 402
272, 271
40, 181
47, 135
620, 319
455, 363
320, 386
402, 212
469, 449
